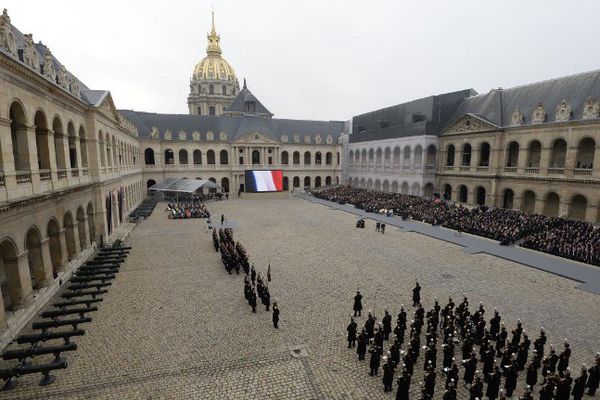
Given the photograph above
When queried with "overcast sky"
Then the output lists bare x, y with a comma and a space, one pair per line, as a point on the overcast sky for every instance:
315, 59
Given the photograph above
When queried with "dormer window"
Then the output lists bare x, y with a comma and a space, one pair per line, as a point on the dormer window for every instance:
250, 107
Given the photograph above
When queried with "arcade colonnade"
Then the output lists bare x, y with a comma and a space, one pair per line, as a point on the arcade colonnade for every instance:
403, 165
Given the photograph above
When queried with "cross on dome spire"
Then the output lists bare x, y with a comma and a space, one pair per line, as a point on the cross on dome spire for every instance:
214, 48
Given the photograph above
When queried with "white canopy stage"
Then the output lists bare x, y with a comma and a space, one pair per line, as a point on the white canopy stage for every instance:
179, 186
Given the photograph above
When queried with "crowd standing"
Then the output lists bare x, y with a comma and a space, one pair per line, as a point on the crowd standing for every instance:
188, 209
458, 343
563, 237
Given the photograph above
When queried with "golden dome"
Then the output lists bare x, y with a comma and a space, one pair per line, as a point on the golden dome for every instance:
213, 66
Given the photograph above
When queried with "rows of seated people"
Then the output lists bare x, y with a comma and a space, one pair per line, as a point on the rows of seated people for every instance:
185, 210
576, 240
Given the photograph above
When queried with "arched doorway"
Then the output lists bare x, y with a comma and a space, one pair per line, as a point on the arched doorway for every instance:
81, 228
463, 193
197, 157
18, 133
534, 154
41, 140
512, 159
149, 156
183, 156
33, 244
307, 181
395, 186
286, 184
10, 283
484, 154
447, 192
578, 207
386, 186
428, 190
223, 157
558, 154
307, 158
508, 199
150, 183
450, 150
480, 195
327, 180
169, 157
56, 256
585, 153
69, 236
225, 185
528, 202
296, 182
552, 204
404, 189
91, 223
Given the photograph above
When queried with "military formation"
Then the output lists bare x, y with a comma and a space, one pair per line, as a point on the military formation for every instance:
235, 257
459, 343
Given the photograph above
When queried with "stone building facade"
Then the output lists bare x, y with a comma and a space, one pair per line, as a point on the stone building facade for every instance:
534, 147
69, 174
221, 148
395, 148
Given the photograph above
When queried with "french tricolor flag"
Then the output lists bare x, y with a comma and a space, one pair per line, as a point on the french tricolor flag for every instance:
268, 181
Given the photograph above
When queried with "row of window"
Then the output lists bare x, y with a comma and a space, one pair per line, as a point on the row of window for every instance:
558, 154
394, 186
396, 156
578, 203
183, 158
69, 146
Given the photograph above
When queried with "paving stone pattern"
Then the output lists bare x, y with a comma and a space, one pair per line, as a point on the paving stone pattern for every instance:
175, 325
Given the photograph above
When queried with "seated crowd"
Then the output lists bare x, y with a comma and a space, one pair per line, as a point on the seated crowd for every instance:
563, 237
185, 210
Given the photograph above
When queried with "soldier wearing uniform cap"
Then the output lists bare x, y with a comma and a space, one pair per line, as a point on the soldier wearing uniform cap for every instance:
476, 389
357, 304
388, 374
579, 384
594, 376
403, 386
352, 327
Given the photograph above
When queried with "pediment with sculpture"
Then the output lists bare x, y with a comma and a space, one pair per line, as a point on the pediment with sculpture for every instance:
256, 137
470, 123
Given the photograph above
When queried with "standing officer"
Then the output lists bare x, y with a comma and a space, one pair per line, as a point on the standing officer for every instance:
357, 303
351, 333
416, 294
275, 315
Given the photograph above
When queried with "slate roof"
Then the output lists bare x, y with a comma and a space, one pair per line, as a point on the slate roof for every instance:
90, 97
424, 116
498, 105
234, 126
238, 106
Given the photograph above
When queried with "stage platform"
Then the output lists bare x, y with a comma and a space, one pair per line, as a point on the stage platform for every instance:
264, 195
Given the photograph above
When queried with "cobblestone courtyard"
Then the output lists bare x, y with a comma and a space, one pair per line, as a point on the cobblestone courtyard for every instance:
175, 325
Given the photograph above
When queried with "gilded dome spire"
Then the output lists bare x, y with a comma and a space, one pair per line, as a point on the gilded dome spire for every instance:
213, 48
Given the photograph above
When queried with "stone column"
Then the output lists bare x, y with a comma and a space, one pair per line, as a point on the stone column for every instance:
8, 161
545, 160
596, 165
19, 279
86, 229
76, 239
522, 161
3, 324
33, 159
48, 276
63, 249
